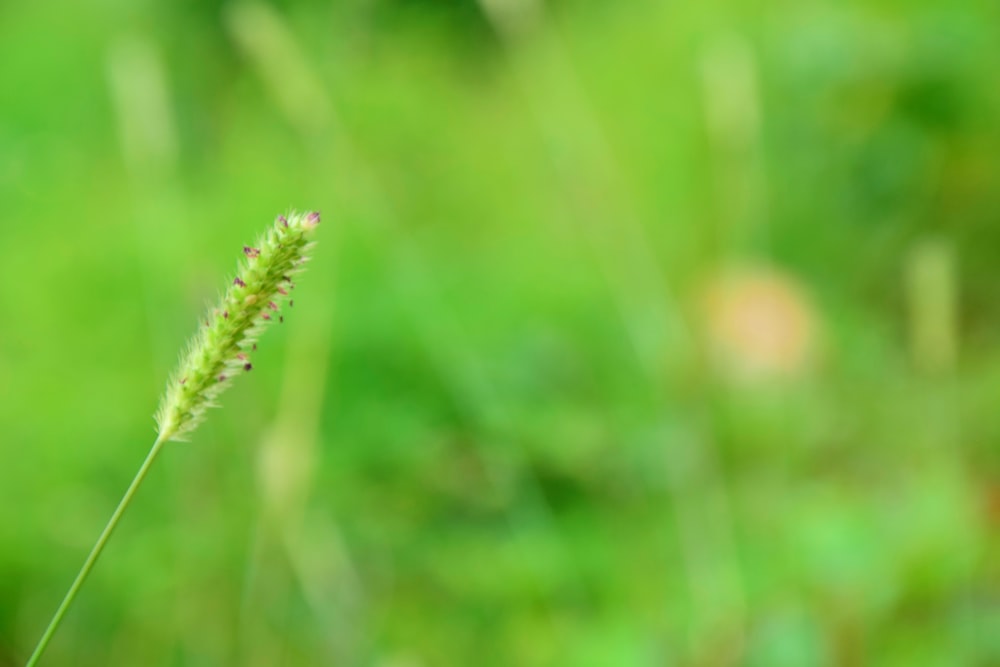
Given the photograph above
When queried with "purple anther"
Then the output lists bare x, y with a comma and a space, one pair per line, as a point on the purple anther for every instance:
247, 366
291, 302
266, 316
241, 356
225, 314
282, 291
281, 319
313, 218
283, 220
252, 253
222, 378
272, 305
239, 281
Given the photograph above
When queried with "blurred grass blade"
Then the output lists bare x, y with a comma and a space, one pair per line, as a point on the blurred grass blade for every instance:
262, 35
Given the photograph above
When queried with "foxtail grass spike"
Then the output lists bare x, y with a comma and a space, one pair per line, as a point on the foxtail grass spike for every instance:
218, 352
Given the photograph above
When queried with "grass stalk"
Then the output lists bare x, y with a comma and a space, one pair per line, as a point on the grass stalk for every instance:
95, 553
218, 352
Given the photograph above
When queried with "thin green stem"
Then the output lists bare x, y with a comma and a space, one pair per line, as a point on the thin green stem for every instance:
95, 553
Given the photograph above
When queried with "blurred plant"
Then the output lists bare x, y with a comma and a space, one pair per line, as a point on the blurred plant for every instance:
760, 324
216, 354
931, 288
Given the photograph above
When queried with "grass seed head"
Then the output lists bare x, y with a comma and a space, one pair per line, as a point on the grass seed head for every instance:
220, 350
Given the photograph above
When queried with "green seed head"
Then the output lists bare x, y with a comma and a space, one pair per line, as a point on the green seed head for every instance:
222, 347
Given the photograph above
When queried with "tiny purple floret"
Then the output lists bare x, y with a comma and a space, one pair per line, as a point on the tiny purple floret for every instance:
247, 366
283, 220
239, 281
252, 253
313, 218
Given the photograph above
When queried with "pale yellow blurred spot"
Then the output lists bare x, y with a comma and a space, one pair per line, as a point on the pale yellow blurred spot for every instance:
931, 288
760, 324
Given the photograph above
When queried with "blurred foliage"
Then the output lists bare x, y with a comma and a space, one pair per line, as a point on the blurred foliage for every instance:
638, 333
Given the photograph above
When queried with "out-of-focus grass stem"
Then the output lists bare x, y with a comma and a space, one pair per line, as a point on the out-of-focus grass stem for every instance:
652, 316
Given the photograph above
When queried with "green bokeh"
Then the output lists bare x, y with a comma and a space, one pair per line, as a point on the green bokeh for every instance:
505, 422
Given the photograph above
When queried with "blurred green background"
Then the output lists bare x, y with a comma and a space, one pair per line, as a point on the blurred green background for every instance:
639, 333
